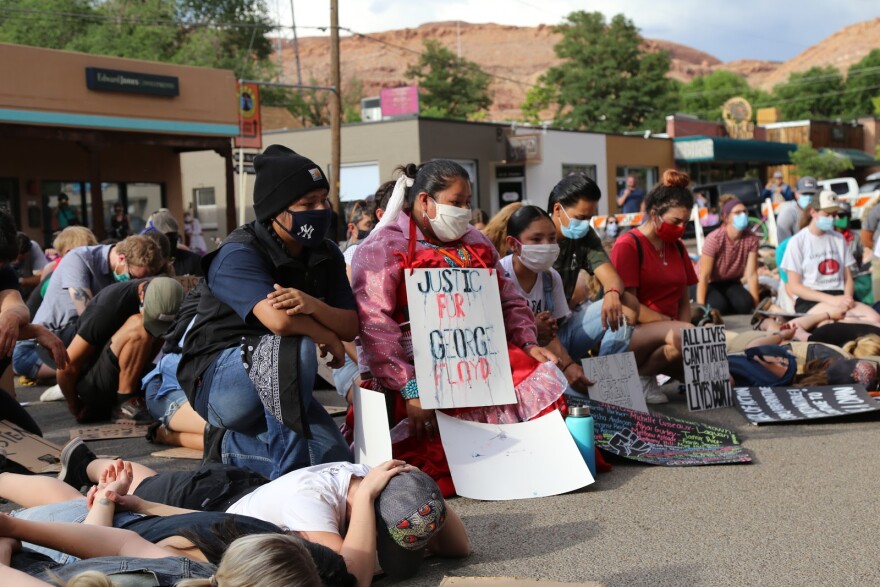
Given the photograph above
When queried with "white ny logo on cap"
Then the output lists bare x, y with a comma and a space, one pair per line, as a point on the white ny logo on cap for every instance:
306, 231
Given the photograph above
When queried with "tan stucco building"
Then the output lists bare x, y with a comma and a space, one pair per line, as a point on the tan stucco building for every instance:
102, 130
500, 174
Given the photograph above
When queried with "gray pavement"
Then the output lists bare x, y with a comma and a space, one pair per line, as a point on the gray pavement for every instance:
803, 513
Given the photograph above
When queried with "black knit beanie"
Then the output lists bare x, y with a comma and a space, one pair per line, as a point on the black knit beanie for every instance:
283, 176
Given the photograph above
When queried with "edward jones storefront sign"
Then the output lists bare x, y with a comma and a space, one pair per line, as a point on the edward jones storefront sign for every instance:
131, 82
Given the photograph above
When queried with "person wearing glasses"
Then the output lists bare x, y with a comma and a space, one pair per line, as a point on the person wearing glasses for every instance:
819, 265
427, 225
276, 289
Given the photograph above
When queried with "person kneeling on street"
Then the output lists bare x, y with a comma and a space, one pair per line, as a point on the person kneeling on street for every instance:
118, 336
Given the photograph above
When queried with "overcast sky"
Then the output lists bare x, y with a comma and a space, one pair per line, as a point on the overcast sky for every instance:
728, 29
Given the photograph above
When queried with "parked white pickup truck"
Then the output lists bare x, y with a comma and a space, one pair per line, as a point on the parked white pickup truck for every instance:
848, 190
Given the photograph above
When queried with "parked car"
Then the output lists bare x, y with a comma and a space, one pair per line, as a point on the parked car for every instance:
847, 189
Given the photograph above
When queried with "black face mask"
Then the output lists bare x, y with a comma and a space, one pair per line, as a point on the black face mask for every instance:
362, 234
309, 226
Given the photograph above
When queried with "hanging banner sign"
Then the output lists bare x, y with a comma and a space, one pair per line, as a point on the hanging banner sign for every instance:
458, 338
250, 128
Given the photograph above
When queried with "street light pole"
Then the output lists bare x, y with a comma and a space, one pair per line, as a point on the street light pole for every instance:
335, 112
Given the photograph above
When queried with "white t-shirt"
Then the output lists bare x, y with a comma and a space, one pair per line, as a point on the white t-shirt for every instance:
819, 260
305, 500
348, 253
535, 298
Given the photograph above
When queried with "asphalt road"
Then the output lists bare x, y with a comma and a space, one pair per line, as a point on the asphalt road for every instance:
803, 513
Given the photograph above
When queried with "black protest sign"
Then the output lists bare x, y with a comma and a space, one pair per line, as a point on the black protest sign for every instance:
658, 440
706, 373
772, 405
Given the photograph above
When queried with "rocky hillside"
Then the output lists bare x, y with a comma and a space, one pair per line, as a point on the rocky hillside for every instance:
517, 56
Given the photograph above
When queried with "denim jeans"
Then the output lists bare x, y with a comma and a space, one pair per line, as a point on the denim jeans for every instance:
125, 570
73, 511
583, 329
25, 360
256, 439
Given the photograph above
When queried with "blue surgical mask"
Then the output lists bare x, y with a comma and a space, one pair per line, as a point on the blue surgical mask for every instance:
741, 221
804, 201
825, 223
576, 228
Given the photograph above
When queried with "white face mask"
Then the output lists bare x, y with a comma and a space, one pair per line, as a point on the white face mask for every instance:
539, 258
451, 222
611, 229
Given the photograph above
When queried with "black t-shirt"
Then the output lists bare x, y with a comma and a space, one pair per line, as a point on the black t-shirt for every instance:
8, 278
840, 333
208, 525
108, 311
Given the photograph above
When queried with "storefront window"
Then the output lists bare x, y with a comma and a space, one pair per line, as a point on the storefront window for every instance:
570, 168
143, 200
206, 207
9, 196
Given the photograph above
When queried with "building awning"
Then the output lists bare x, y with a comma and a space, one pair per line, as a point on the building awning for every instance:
858, 157
699, 149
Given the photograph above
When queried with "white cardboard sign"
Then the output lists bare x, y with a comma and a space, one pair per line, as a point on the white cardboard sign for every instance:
616, 381
372, 439
512, 461
458, 338
706, 371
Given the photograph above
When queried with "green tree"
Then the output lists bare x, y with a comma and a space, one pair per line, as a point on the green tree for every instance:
823, 164
862, 86
706, 94
815, 93
44, 23
138, 30
607, 82
450, 86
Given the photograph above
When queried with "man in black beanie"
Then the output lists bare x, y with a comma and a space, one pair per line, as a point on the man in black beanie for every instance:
276, 288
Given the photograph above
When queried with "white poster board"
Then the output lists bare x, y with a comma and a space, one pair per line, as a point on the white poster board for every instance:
706, 372
616, 381
512, 461
372, 438
458, 338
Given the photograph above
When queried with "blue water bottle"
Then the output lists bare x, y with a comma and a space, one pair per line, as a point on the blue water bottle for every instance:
580, 425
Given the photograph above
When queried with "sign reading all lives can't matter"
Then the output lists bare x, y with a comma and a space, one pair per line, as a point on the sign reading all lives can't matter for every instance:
458, 338
706, 371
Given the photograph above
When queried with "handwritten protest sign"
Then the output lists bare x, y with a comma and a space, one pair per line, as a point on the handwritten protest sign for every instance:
458, 338
108, 431
616, 381
658, 440
512, 461
706, 373
28, 450
772, 405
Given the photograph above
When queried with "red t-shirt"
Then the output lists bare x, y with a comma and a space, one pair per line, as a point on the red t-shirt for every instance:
659, 285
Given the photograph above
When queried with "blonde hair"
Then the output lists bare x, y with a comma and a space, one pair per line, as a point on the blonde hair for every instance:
142, 251
864, 346
496, 228
84, 579
73, 237
263, 560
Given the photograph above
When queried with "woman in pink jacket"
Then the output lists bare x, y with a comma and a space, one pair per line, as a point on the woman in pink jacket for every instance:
427, 225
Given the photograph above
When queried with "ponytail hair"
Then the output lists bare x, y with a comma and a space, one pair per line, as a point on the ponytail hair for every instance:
431, 177
671, 192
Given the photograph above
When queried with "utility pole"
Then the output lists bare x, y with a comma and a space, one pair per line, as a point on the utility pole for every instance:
299, 75
335, 112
